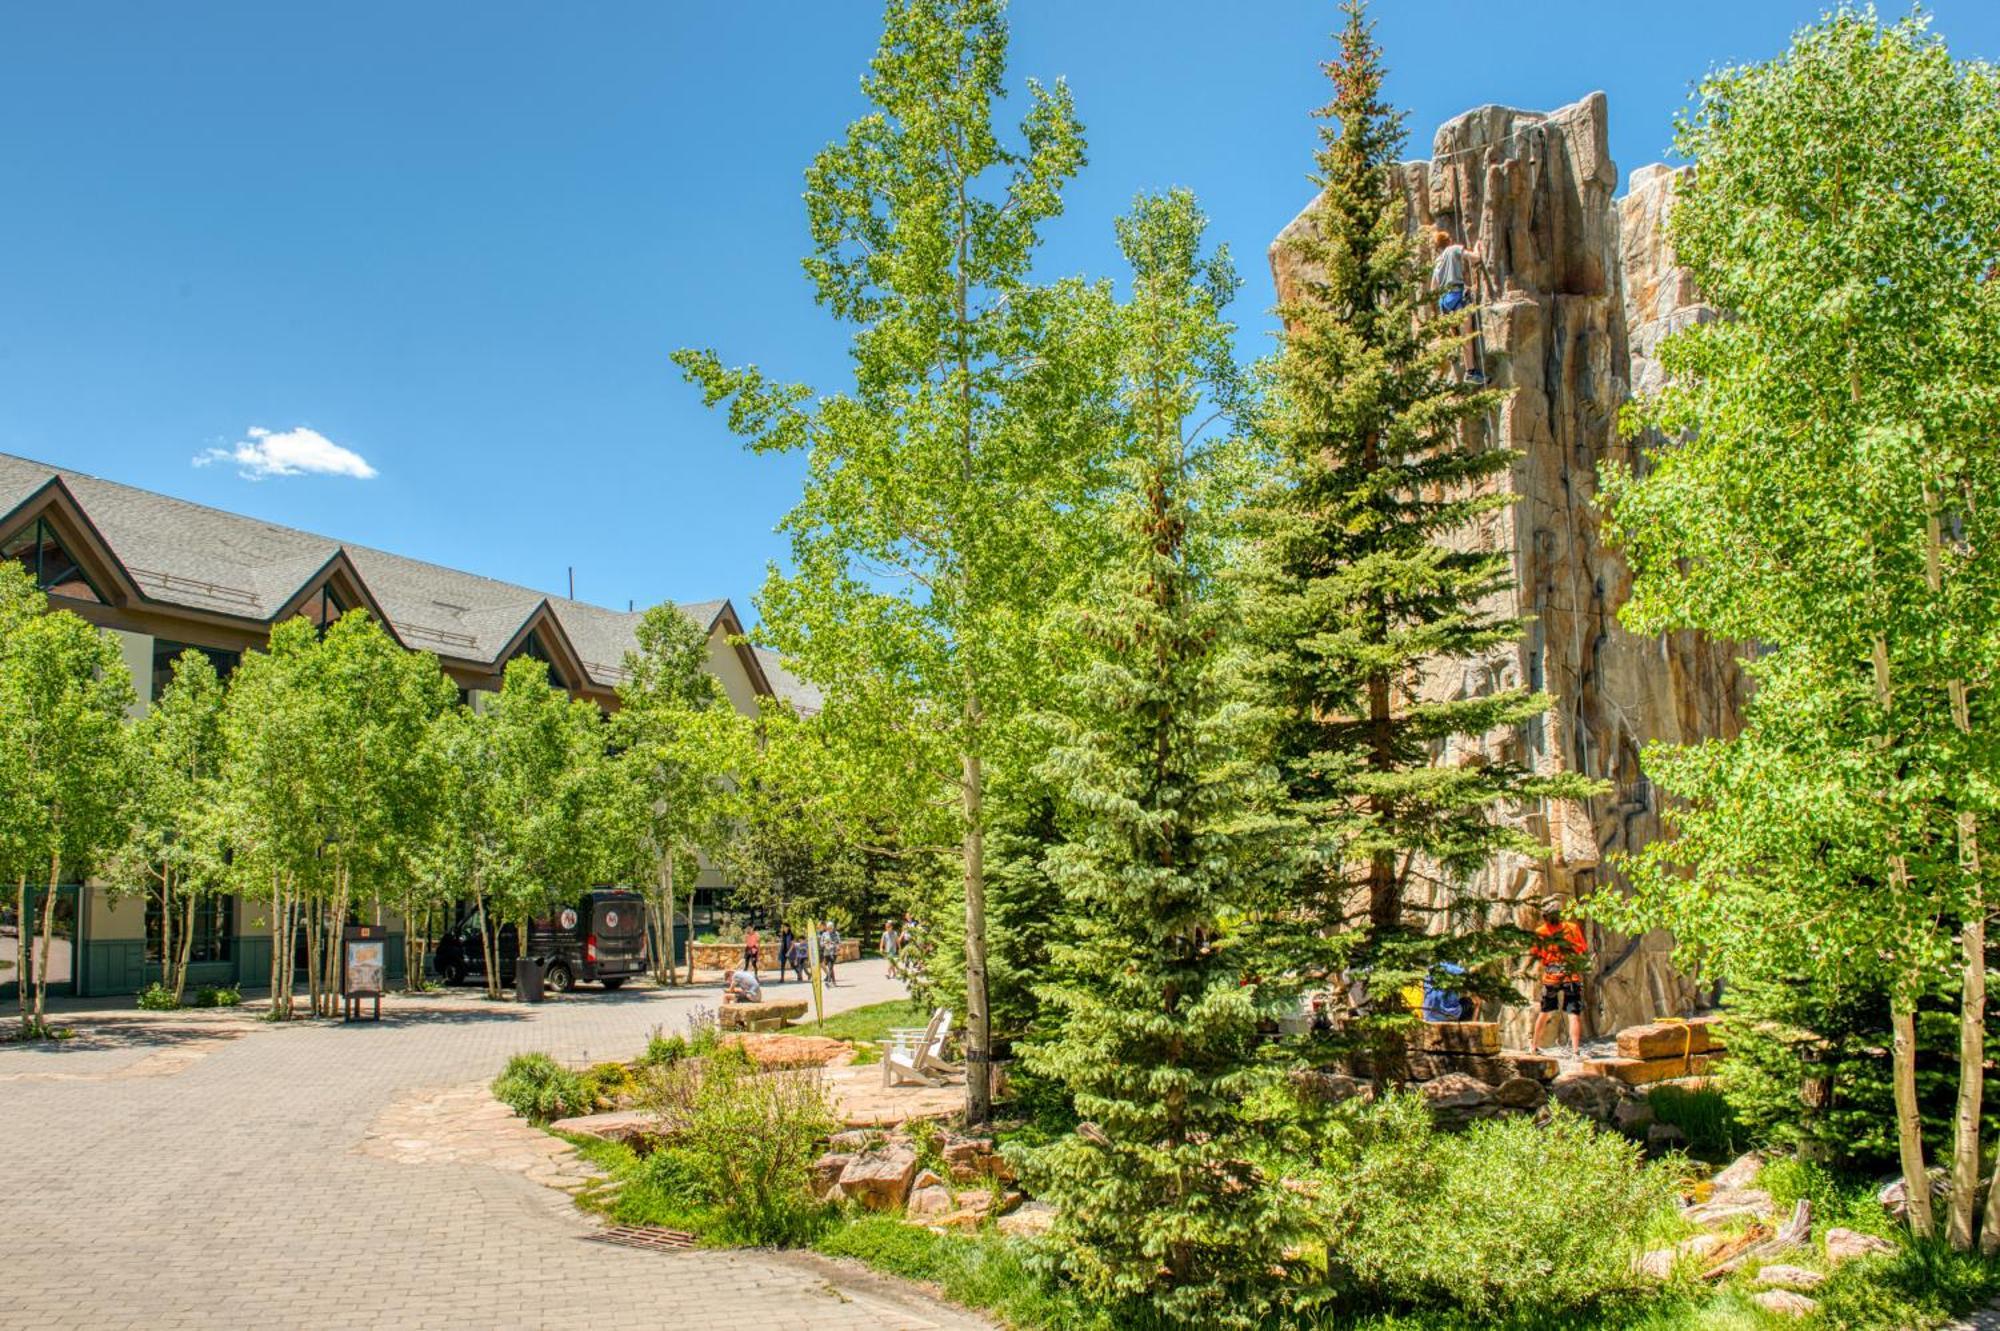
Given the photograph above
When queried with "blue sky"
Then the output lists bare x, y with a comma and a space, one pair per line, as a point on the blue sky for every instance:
459, 240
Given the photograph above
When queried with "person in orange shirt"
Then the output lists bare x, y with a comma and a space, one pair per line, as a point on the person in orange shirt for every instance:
1559, 953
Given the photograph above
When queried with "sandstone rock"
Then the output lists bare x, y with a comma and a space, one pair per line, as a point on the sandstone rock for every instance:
1030, 1218
634, 1127
1520, 1093
855, 1139
758, 1016
1664, 1137
1660, 1263
932, 1200
1739, 1173
1783, 1276
880, 1180
826, 1172
1582, 290
1595, 1098
973, 1158
1667, 1039
1895, 1198
927, 1178
1456, 1099
1633, 1115
1457, 1037
1844, 1245
1784, 1303
1328, 1087
792, 1051
1735, 1204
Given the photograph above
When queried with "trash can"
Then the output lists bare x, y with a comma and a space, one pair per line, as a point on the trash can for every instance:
528, 980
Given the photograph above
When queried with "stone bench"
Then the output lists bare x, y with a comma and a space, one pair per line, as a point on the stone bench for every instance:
759, 1016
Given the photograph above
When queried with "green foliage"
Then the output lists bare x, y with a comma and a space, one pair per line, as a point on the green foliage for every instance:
739, 1147
985, 1271
609, 1085
1511, 1217
948, 500
1145, 1017
1924, 1284
1838, 1197
1704, 1114
218, 995
662, 1049
158, 998
540, 1089
1356, 589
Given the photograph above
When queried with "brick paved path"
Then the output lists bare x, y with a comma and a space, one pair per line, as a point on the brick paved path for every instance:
205, 1170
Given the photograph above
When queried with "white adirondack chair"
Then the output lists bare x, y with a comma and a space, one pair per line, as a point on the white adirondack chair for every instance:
916, 1053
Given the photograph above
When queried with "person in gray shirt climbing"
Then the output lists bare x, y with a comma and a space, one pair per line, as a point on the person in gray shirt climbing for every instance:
1451, 278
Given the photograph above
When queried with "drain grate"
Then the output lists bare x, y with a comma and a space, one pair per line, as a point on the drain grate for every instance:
650, 1237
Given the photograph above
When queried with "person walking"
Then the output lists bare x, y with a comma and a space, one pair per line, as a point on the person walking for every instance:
784, 951
801, 954
752, 944
890, 946
829, 944
1560, 952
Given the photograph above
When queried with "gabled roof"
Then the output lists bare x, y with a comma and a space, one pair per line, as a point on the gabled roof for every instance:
804, 697
170, 552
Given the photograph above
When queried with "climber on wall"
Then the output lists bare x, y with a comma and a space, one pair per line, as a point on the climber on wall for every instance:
1451, 278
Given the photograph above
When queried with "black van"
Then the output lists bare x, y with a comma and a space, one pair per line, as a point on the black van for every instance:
602, 938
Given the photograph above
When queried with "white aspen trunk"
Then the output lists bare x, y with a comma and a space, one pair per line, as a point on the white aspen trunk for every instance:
663, 924
186, 946
690, 919
1909, 1127
1971, 1048
277, 942
167, 931
48, 928
978, 1021
22, 936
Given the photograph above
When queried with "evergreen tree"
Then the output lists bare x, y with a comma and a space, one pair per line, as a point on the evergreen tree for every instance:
1158, 1199
1379, 458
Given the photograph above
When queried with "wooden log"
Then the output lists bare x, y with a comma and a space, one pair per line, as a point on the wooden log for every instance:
1664, 1039
1457, 1037
1646, 1071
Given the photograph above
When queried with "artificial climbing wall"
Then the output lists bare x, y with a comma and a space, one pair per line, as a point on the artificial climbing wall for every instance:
1578, 290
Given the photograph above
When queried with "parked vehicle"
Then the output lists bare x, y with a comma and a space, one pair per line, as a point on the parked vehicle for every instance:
601, 939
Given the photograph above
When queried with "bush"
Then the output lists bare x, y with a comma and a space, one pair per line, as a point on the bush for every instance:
158, 998
539, 1089
1704, 1115
740, 1147
662, 1050
609, 1085
217, 995
1510, 1218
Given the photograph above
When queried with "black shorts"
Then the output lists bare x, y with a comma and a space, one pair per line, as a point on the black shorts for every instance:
1568, 996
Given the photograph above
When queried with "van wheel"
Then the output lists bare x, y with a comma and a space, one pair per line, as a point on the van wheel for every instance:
614, 983
560, 977
455, 973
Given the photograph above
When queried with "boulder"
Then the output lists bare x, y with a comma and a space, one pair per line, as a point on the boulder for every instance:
1330, 1088
1784, 1302
1660, 1262
1844, 1245
1667, 1039
759, 1016
927, 1178
1633, 1116
1030, 1218
1457, 1037
855, 1139
973, 1158
1782, 1276
1741, 1172
779, 1050
826, 1172
1647, 1071
1895, 1199
633, 1127
880, 1180
932, 1200
1596, 1098
1664, 1137
1456, 1099
1735, 1204
1520, 1093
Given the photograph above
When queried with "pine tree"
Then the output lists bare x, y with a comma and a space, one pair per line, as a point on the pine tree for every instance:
1379, 458
1154, 1035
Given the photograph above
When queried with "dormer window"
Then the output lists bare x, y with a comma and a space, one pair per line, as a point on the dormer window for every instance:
532, 647
323, 607
37, 549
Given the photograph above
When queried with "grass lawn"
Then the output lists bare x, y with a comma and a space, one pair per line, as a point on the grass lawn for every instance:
870, 1024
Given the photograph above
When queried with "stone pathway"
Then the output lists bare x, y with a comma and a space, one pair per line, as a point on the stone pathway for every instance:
183, 1170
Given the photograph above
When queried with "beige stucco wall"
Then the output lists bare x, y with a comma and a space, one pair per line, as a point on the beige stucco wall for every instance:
726, 664
104, 918
137, 649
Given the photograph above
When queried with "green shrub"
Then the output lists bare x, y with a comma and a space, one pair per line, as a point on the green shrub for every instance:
1510, 1218
662, 1050
158, 998
740, 1148
1837, 1198
217, 995
1923, 1284
539, 1089
609, 1085
987, 1270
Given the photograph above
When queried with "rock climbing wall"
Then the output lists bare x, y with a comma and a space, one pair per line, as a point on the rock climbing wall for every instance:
1577, 292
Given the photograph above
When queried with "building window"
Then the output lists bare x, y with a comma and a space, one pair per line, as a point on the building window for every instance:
36, 549
532, 647
213, 917
166, 653
323, 607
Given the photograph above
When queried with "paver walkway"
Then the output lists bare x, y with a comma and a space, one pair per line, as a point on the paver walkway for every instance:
203, 1169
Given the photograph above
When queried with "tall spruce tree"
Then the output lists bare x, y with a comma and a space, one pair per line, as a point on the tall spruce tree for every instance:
1358, 590
1154, 1034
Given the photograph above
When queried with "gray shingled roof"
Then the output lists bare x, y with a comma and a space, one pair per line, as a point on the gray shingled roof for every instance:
201, 558
804, 696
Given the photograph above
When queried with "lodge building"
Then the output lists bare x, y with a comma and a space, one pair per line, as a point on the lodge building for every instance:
163, 575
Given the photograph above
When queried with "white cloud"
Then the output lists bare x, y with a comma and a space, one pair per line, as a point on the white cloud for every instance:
299, 451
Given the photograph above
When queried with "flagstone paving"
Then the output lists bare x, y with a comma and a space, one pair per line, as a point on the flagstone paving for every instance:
203, 1169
